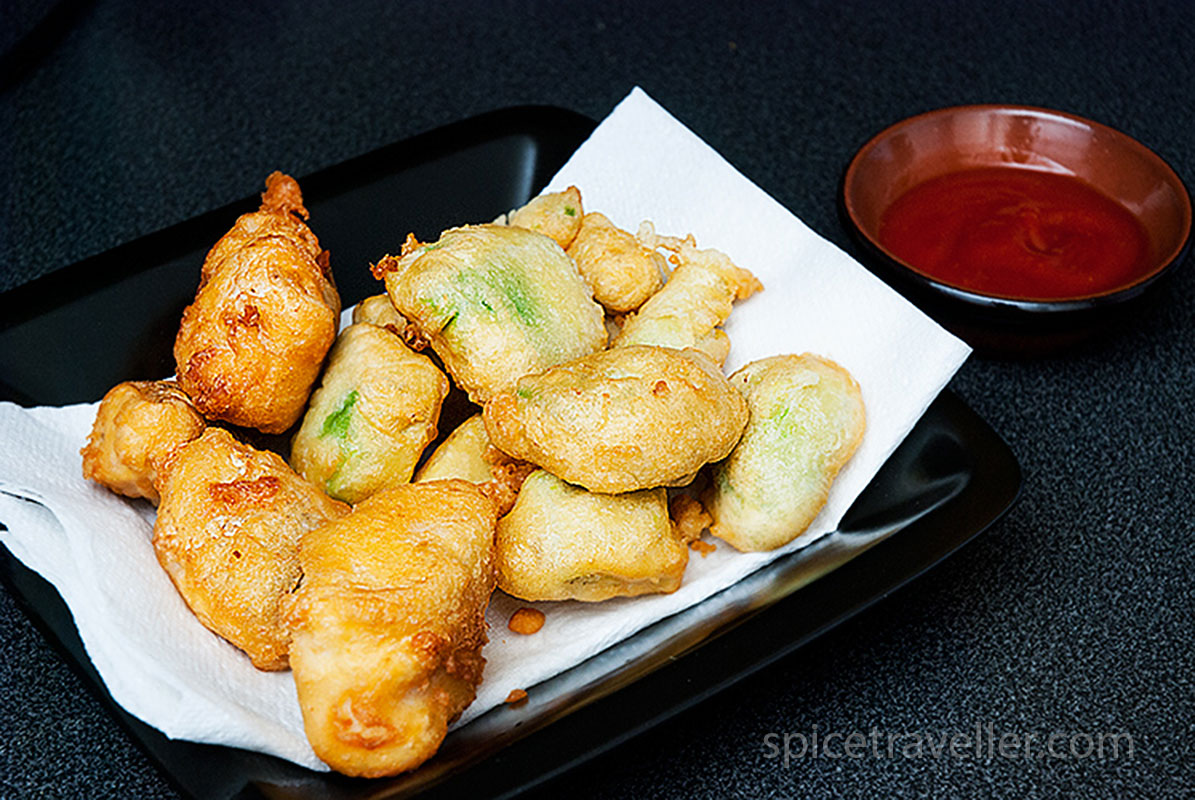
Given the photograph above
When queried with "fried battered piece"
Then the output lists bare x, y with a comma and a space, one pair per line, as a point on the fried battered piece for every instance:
467, 454
137, 425
228, 533
621, 420
807, 419
281, 215
622, 271
389, 624
695, 301
560, 542
378, 310
557, 215
460, 455
374, 413
251, 344
496, 303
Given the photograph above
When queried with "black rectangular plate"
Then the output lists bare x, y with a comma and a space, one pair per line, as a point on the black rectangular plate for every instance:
72, 335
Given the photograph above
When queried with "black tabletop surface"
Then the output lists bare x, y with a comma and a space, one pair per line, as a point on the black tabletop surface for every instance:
1071, 618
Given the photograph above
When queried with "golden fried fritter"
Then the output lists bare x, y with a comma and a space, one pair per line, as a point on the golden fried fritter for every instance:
622, 271
378, 310
228, 532
561, 542
280, 216
374, 413
461, 455
557, 215
389, 624
621, 420
696, 299
468, 455
251, 344
496, 303
807, 419
137, 425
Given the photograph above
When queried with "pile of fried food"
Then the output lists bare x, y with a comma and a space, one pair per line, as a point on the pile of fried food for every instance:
594, 356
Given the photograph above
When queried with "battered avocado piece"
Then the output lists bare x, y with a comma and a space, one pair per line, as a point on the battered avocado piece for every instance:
807, 419
374, 413
496, 303
461, 455
560, 542
621, 420
557, 215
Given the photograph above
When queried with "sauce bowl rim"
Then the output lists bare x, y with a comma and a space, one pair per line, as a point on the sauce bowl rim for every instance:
1118, 294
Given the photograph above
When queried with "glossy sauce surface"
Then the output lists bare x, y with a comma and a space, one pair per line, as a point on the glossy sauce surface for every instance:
1016, 233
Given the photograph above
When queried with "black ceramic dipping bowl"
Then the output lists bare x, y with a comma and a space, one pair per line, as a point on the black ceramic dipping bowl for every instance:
949, 140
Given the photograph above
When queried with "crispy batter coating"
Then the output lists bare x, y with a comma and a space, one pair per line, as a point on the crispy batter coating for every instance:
251, 344
137, 425
621, 420
695, 301
807, 419
378, 310
689, 517
557, 215
460, 455
509, 475
228, 533
468, 455
496, 303
374, 413
281, 215
561, 542
389, 624
622, 270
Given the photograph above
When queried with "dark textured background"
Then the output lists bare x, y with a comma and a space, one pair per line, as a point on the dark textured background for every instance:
1074, 613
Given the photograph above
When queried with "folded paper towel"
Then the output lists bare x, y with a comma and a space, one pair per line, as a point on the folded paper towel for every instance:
640, 163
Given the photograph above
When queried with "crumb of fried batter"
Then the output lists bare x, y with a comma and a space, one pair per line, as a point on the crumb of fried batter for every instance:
282, 195
410, 245
516, 697
703, 547
526, 621
412, 336
384, 265
689, 518
508, 476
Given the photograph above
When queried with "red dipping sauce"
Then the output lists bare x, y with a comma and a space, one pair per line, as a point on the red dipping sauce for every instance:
1016, 233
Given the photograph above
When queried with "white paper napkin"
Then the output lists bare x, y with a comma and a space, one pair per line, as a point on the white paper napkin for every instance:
165, 668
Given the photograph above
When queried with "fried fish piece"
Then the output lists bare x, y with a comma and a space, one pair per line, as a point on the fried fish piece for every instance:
623, 271
266, 311
807, 419
496, 303
389, 624
374, 413
621, 420
561, 542
137, 425
696, 299
228, 532
557, 215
